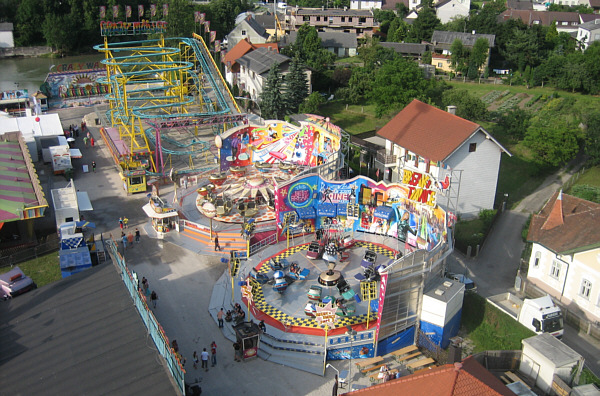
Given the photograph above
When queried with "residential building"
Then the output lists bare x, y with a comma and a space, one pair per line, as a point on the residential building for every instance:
565, 21
232, 67
442, 43
365, 4
249, 29
519, 5
272, 23
255, 66
409, 50
340, 43
447, 10
426, 139
359, 22
6, 35
442, 62
588, 32
565, 256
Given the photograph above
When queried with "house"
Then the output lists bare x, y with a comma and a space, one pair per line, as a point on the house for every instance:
565, 255
255, 66
232, 67
271, 22
409, 50
447, 10
425, 139
340, 43
442, 43
359, 22
519, 5
247, 29
565, 21
588, 32
365, 4
6, 35
468, 377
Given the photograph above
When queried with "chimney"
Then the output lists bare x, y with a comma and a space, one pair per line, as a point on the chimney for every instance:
451, 109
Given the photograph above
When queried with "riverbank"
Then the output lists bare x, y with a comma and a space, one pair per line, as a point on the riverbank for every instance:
24, 52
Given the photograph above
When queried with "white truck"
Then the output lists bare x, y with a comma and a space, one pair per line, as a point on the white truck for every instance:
540, 315
15, 282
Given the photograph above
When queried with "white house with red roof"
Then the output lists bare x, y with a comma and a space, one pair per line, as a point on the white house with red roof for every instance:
565, 255
460, 154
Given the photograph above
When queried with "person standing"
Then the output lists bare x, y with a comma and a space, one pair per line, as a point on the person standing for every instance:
145, 285
237, 348
137, 235
130, 239
85, 140
213, 354
121, 222
94, 166
196, 360
204, 358
217, 246
124, 239
220, 318
334, 391
92, 142
125, 222
154, 298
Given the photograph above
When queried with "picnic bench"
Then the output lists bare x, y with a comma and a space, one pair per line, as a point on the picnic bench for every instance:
374, 377
408, 357
404, 351
515, 378
420, 363
362, 363
366, 370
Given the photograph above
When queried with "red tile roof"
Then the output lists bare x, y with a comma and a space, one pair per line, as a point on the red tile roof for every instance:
579, 230
243, 47
428, 131
468, 378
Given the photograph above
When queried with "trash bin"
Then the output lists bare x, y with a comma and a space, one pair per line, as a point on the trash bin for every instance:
69, 173
97, 120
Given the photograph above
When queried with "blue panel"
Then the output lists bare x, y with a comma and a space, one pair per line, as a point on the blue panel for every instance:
306, 213
326, 210
375, 305
397, 341
342, 209
433, 332
383, 212
75, 258
362, 351
441, 335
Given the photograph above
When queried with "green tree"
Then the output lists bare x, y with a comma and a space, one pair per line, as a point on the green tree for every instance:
467, 105
311, 103
308, 48
58, 32
296, 86
426, 59
522, 49
460, 56
222, 14
272, 104
485, 21
592, 65
592, 137
514, 123
479, 53
424, 25
29, 22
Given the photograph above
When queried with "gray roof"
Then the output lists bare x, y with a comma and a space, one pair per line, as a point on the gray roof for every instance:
256, 27
334, 12
591, 25
468, 39
6, 27
80, 335
552, 349
329, 39
261, 59
519, 4
406, 48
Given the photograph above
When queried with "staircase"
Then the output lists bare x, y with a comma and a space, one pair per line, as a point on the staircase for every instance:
229, 240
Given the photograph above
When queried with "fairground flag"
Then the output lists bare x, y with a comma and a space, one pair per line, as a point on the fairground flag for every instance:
196, 16
102, 11
115, 11
202, 17
213, 36
127, 11
152, 10
217, 45
165, 10
206, 26
140, 10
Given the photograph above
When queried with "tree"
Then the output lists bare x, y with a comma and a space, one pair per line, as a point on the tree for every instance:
592, 137
514, 123
58, 32
467, 105
459, 57
311, 103
271, 99
296, 86
522, 49
426, 59
479, 53
426, 22
308, 48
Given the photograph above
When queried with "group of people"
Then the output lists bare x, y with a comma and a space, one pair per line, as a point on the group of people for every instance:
144, 287
204, 355
128, 238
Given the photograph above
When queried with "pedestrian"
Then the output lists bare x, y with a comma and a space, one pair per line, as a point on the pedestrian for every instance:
76, 132
130, 239
237, 348
89, 135
85, 140
125, 221
217, 246
213, 354
196, 360
92, 142
124, 239
145, 285
121, 222
153, 298
137, 235
204, 358
220, 318
262, 327
94, 166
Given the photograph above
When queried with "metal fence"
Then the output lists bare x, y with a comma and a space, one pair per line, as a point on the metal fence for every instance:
20, 254
154, 328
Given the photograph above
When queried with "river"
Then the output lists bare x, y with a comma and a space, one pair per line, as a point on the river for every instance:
30, 73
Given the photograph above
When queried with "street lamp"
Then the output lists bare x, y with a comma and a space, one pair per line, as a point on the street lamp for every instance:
352, 333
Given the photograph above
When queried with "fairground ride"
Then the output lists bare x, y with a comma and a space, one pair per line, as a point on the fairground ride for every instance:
163, 95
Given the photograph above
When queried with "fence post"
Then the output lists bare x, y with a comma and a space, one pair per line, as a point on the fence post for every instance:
477, 251
469, 251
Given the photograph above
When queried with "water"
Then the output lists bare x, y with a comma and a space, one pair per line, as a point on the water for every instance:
30, 73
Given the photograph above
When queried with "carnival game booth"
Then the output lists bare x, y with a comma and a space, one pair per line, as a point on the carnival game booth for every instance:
164, 218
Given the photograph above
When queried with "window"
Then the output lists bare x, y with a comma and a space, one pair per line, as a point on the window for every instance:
440, 64
349, 19
555, 270
343, 19
306, 18
564, 23
243, 32
536, 262
318, 19
362, 20
586, 288
472, 147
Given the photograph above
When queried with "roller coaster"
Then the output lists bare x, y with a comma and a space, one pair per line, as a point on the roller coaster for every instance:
167, 100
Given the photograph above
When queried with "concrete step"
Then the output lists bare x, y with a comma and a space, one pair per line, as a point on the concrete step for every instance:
312, 363
292, 345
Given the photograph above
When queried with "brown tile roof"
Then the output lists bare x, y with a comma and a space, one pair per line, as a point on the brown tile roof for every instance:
468, 378
243, 47
545, 17
428, 131
555, 218
580, 228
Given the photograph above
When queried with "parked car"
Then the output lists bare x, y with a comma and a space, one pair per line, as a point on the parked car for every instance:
468, 282
15, 282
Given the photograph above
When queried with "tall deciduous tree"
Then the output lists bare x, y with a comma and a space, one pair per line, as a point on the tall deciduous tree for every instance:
592, 137
460, 56
426, 22
467, 105
272, 104
479, 53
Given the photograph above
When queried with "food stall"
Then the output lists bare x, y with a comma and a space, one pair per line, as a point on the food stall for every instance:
164, 218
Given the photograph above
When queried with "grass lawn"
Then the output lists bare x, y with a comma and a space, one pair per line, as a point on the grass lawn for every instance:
591, 177
489, 328
356, 119
42, 270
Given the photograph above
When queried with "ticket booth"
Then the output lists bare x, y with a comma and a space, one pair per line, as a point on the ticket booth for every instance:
248, 336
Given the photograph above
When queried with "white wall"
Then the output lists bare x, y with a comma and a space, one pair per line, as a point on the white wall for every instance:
241, 32
365, 4
453, 9
537, 366
7, 40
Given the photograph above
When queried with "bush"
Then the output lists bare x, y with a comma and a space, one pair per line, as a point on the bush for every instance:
587, 192
487, 217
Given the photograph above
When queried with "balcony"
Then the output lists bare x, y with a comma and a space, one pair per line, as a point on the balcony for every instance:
386, 159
